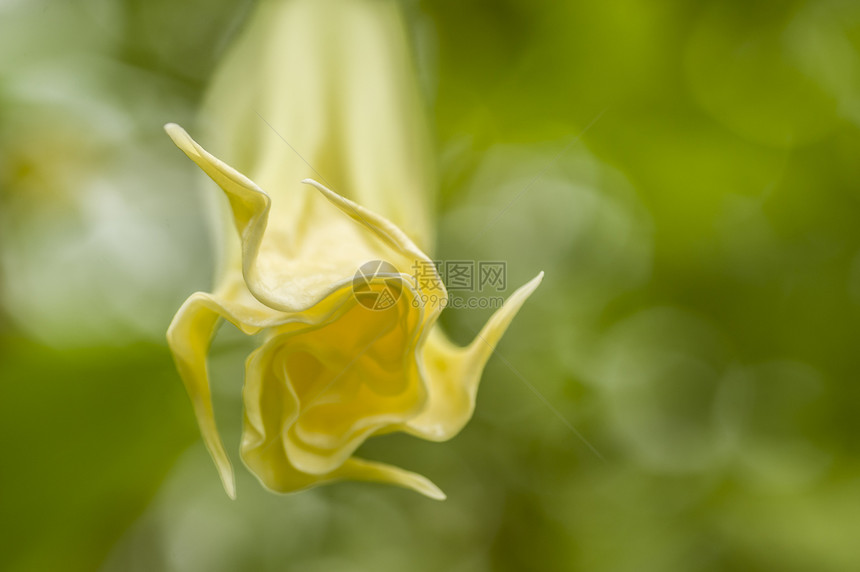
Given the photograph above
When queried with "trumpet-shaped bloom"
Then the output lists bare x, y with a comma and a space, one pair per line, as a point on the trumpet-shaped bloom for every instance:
332, 370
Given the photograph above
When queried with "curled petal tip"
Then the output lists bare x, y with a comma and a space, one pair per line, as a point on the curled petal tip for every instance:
326, 192
436, 494
174, 130
524, 291
372, 471
230, 487
532, 284
423, 485
179, 136
454, 374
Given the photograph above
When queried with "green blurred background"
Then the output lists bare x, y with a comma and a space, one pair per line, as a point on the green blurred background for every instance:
687, 173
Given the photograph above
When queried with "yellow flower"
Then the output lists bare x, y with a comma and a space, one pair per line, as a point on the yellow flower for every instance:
332, 369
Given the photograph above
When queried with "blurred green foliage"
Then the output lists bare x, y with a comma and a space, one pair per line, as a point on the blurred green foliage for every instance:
686, 173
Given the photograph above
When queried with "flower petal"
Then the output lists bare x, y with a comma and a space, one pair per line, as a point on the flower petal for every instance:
378, 225
281, 477
406, 256
281, 275
453, 373
189, 336
250, 204
336, 80
362, 470
316, 389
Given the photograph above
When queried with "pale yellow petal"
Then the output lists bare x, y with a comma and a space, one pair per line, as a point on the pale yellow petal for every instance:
404, 253
268, 407
279, 476
362, 470
327, 89
379, 95
453, 373
377, 224
190, 334
189, 337
249, 203
280, 273
319, 387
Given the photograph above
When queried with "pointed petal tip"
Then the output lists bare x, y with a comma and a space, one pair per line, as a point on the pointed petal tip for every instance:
436, 495
528, 288
228, 479
425, 486
331, 195
320, 187
364, 470
327, 192
173, 129
485, 342
178, 135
